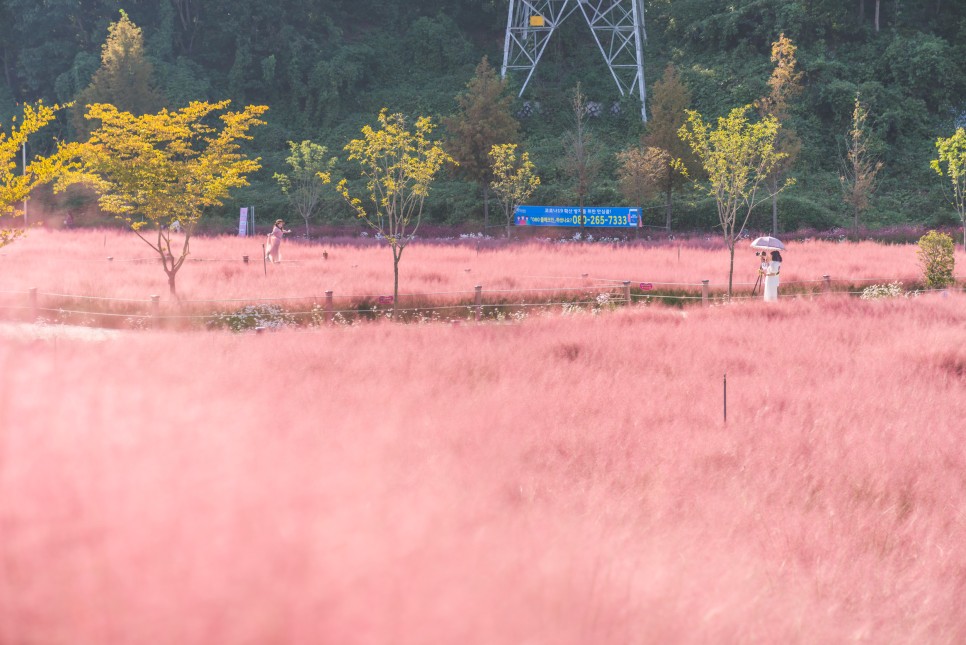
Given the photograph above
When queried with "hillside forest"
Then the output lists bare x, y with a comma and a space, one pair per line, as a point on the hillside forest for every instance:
326, 68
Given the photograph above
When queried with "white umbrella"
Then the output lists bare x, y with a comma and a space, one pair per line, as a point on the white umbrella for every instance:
768, 243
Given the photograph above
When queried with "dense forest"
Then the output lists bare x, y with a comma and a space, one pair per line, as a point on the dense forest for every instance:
326, 68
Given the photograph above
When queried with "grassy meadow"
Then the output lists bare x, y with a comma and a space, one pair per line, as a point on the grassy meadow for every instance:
562, 479
71, 272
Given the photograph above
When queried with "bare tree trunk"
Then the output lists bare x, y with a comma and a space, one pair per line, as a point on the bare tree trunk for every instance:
861, 11
396, 255
774, 206
509, 221
876, 16
6, 69
668, 207
486, 207
731, 269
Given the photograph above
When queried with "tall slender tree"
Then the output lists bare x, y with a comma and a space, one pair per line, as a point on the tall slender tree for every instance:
860, 168
581, 162
483, 120
737, 156
514, 179
398, 165
303, 185
951, 164
784, 85
670, 98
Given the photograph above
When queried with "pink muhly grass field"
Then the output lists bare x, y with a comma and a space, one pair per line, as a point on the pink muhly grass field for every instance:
75, 263
568, 479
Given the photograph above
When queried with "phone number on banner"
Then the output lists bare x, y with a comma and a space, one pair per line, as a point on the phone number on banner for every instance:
618, 217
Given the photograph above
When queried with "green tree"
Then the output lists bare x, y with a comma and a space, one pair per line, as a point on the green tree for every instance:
737, 156
581, 162
860, 168
303, 186
670, 99
784, 85
935, 255
398, 165
482, 121
951, 164
157, 169
514, 179
125, 78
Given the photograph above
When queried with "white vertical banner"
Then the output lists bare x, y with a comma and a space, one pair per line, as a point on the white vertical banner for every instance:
243, 222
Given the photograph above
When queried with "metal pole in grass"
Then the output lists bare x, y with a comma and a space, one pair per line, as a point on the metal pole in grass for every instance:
264, 260
155, 309
479, 302
726, 397
328, 307
704, 292
33, 304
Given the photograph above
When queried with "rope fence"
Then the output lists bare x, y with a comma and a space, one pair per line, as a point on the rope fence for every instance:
324, 309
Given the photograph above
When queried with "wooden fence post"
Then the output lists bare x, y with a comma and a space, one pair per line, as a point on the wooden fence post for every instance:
34, 311
328, 307
479, 302
704, 292
627, 292
155, 311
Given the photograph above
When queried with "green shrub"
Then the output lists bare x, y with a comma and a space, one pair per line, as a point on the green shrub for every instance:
936, 259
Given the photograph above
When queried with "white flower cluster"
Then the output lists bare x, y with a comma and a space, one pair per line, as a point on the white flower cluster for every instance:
879, 291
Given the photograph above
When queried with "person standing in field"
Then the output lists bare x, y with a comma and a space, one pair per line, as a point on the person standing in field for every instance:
274, 245
771, 268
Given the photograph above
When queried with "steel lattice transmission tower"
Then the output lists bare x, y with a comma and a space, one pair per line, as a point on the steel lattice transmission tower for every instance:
617, 25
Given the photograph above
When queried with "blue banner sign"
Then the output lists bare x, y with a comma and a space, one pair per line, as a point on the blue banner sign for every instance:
594, 216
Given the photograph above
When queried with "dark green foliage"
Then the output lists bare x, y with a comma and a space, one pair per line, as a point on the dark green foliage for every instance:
326, 68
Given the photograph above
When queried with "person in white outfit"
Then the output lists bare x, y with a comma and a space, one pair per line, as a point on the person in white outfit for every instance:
771, 268
274, 249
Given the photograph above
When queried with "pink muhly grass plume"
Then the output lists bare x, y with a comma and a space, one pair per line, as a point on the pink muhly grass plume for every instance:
568, 479
75, 263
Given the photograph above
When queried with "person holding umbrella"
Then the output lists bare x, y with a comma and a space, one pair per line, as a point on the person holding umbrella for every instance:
772, 270
771, 265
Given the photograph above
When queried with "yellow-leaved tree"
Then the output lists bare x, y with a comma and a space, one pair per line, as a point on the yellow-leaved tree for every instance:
513, 179
16, 186
951, 164
737, 156
156, 170
398, 165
